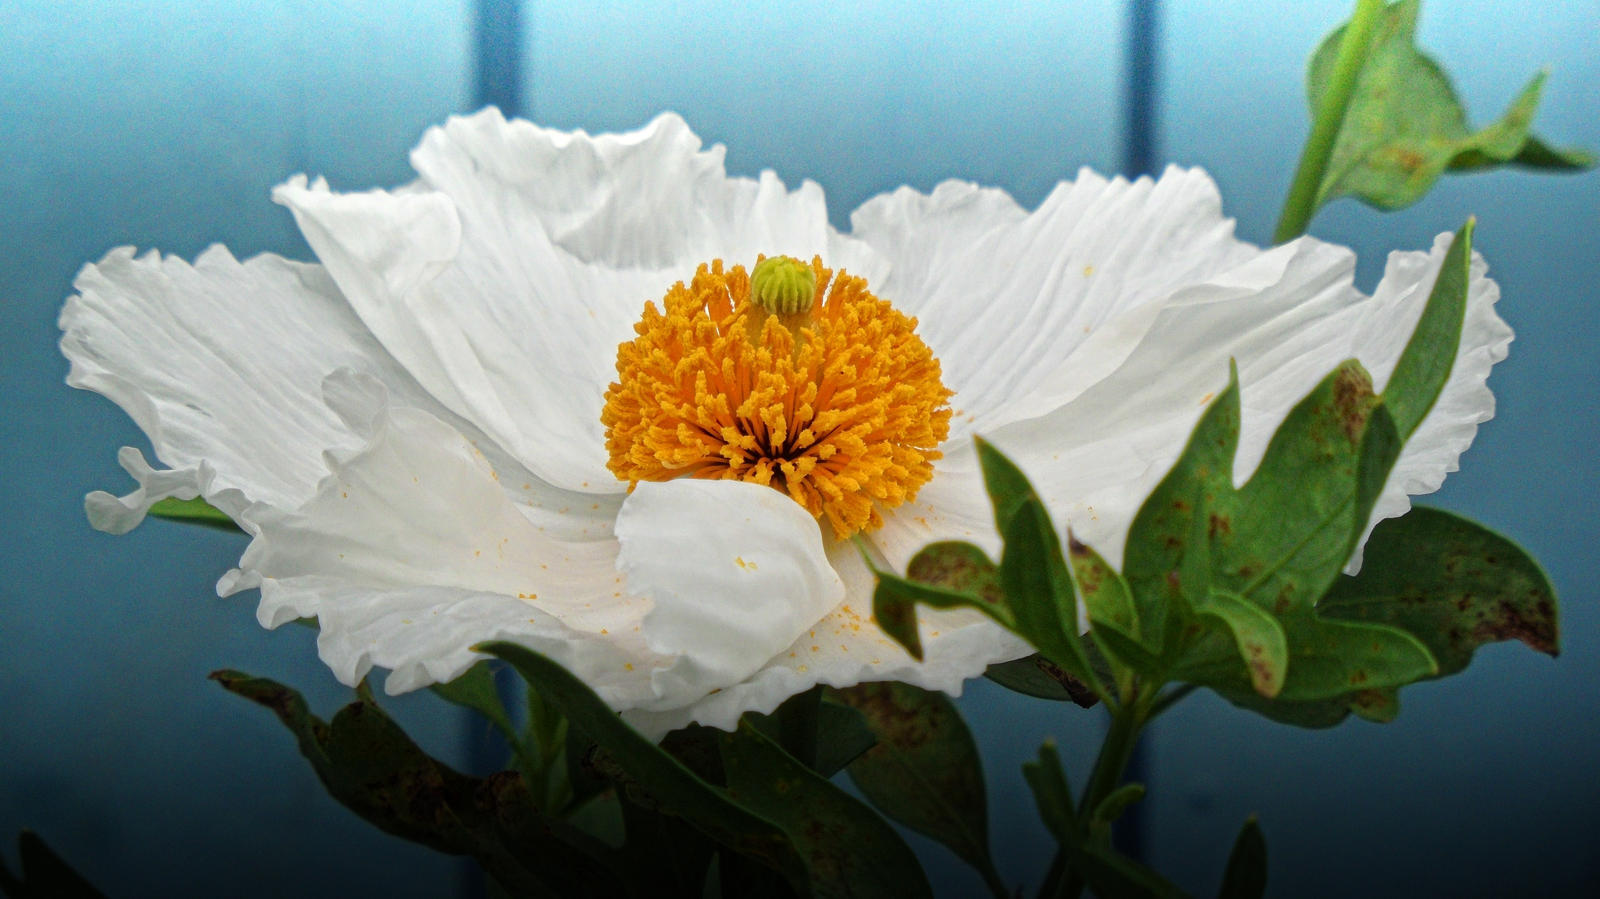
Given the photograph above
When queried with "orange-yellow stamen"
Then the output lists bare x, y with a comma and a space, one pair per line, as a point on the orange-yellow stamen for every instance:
840, 405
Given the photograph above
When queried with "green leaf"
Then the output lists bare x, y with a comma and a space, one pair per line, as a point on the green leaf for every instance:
1114, 876
842, 736
1404, 126
773, 809
475, 689
1258, 636
1038, 587
924, 771
1246, 874
849, 851
369, 765
43, 875
1007, 486
944, 575
1106, 595
194, 511
1036, 676
1453, 584
1053, 795
641, 767
1424, 367
1115, 803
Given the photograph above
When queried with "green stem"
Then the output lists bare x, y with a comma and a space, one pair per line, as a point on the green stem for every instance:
1126, 723
1301, 203
1169, 699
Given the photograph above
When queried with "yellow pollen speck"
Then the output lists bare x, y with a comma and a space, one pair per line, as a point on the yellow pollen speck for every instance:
628, 665
839, 405
749, 566
1088, 271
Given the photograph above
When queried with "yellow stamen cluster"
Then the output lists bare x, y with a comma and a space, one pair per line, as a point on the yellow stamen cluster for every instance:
839, 405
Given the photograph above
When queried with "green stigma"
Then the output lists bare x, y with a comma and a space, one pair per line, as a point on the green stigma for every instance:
783, 285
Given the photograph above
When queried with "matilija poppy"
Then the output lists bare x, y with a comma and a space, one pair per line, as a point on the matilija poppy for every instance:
593, 395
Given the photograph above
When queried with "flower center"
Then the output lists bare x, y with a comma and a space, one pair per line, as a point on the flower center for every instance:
789, 376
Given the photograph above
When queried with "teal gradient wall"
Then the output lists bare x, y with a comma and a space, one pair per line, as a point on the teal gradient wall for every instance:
165, 124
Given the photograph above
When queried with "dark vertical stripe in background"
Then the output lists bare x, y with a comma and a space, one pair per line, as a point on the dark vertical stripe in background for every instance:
1139, 157
497, 56
497, 42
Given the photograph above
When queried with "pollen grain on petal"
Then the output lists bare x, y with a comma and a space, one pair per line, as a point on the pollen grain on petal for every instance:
840, 406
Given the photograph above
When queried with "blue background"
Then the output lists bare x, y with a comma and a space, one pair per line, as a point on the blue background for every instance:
164, 124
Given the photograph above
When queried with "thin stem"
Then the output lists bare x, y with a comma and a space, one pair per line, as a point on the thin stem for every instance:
1169, 699
1301, 203
1127, 721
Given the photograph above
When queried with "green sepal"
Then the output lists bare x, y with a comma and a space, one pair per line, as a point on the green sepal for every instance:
1246, 874
1452, 583
1258, 638
1106, 595
945, 575
43, 874
1404, 126
923, 770
369, 765
194, 511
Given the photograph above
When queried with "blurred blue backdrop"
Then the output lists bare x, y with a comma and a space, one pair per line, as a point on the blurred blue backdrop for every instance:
164, 124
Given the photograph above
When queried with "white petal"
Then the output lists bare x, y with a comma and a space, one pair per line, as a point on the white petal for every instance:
1435, 448
1287, 323
411, 552
507, 277
846, 648
1005, 298
221, 364
736, 571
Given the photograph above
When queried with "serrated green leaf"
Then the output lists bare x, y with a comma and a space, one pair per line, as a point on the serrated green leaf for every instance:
1246, 874
368, 764
1332, 658
1453, 584
43, 874
1404, 125
1424, 366
1258, 637
924, 770
848, 850
194, 511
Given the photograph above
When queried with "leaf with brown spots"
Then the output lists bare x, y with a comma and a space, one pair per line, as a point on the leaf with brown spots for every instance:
924, 771
368, 764
1405, 127
1452, 583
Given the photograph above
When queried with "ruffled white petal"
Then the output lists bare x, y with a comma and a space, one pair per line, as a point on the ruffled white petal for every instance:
198, 357
846, 648
1013, 303
121, 514
735, 572
505, 279
411, 553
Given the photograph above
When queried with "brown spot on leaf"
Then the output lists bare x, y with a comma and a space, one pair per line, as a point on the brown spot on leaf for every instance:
1352, 401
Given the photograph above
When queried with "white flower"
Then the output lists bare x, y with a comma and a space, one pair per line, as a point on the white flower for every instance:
411, 430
